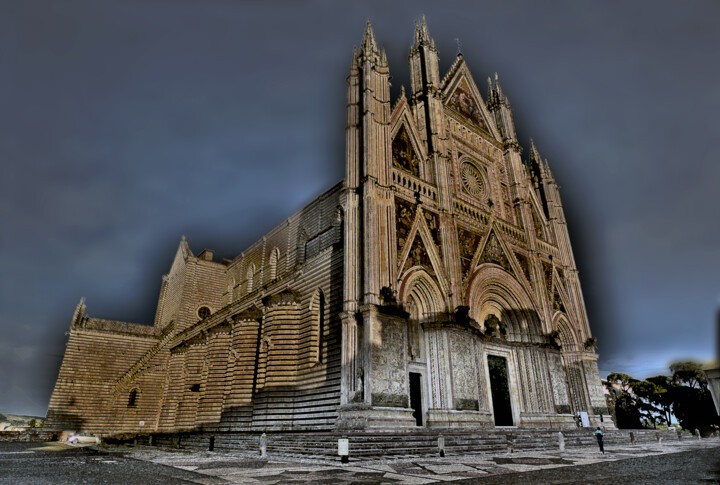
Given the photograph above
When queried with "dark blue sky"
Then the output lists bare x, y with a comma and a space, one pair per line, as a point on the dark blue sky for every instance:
126, 124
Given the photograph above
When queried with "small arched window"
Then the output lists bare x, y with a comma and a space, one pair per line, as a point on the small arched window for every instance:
250, 277
318, 309
274, 257
230, 289
132, 400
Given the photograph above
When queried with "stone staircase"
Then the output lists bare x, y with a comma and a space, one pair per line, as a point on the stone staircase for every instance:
416, 442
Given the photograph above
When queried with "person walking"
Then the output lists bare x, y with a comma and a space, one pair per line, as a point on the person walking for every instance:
599, 436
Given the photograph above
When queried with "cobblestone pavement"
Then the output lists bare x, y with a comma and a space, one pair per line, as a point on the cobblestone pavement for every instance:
221, 468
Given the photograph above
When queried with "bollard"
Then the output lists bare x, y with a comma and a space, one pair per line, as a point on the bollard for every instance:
632, 438
697, 432
263, 445
344, 450
441, 446
561, 441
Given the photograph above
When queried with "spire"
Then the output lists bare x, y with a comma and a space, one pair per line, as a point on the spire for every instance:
369, 46
492, 95
496, 98
498, 88
548, 172
534, 153
422, 35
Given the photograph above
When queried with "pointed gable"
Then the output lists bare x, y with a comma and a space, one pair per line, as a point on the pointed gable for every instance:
181, 255
404, 155
404, 218
468, 242
418, 238
464, 102
493, 252
418, 256
407, 149
462, 97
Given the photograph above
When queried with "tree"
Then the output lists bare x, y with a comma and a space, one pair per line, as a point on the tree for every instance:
655, 400
692, 402
689, 374
627, 411
663, 398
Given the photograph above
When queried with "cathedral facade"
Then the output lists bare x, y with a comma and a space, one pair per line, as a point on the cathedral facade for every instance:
434, 286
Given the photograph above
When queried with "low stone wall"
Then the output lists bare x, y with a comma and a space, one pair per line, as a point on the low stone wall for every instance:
378, 443
29, 435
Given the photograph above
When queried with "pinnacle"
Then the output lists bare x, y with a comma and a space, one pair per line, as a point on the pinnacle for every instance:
534, 153
368, 44
422, 35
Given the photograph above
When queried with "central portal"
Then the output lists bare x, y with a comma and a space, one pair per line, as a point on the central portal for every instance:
416, 397
500, 390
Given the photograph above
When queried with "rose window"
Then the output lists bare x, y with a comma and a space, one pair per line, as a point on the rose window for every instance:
471, 180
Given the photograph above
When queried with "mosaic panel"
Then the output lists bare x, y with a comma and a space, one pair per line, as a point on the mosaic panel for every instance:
403, 154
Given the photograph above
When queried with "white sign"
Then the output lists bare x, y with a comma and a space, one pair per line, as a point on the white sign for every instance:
343, 447
584, 419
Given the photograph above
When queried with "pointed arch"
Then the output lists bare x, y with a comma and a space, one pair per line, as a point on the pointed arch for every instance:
568, 337
493, 292
421, 296
133, 398
318, 310
231, 290
273, 263
250, 276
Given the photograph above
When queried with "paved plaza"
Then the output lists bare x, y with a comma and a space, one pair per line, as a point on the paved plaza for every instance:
466, 468
690, 461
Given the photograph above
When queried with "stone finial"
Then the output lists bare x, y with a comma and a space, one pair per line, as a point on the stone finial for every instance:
79, 312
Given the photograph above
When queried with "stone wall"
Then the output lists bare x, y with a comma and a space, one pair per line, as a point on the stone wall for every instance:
97, 354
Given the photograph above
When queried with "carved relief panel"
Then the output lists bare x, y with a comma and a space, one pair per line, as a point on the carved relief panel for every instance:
389, 364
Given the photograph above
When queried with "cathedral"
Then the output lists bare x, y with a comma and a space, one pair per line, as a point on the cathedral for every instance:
435, 286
